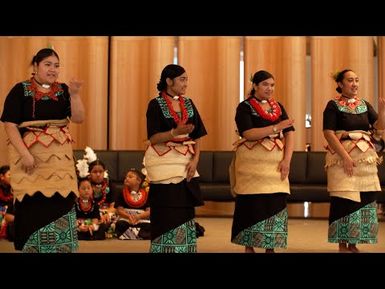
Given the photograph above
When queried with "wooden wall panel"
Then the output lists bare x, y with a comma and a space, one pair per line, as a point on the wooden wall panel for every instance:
136, 65
381, 65
212, 65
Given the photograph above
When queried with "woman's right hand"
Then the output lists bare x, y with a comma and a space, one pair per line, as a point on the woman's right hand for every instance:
28, 163
183, 128
348, 166
285, 124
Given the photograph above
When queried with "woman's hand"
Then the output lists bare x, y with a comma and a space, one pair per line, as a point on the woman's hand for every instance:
183, 128
285, 124
191, 168
348, 166
74, 86
28, 163
284, 168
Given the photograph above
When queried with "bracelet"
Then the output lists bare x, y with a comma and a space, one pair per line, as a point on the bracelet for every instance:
172, 133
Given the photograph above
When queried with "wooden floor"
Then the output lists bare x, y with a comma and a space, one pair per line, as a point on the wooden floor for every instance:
304, 236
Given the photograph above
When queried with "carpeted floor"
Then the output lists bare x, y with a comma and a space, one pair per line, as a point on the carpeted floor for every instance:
305, 236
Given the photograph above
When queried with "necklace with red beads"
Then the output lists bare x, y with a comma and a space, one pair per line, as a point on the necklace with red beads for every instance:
272, 114
136, 200
173, 113
85, 205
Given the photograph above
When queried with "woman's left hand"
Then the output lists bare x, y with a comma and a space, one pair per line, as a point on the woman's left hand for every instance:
74, 86
191, 168
284, 168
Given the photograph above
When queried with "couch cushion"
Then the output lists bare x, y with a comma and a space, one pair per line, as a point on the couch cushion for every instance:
298, 168
221, 163
316, 173
78, 154
216, 192
128, 160
116, 188
205, 166
308, 193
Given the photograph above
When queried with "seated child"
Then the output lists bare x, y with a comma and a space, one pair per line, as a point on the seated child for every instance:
101, 191
6, 204
89, 224
133, 208
96, 171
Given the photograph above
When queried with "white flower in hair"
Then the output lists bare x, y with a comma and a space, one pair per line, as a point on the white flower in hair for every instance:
82, 167
105, 174
90, 155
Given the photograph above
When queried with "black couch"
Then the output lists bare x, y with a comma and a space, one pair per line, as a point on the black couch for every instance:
307, 175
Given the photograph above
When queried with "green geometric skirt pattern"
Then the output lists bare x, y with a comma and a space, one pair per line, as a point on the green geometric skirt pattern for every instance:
59, 236
360, 226
182, 239
268, 234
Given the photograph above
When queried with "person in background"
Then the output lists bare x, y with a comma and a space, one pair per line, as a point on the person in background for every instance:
351, 128
36, 118
260, 168
100, 184
6, 204
93, 168
174, 129
133, 209
89, 222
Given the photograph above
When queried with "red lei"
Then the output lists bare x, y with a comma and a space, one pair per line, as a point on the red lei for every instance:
352, 105
173, 113
135, 202
272, 115
38, 95
82, 206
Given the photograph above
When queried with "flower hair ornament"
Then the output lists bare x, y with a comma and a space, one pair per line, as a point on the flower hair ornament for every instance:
335, 74
83, 164
83, 168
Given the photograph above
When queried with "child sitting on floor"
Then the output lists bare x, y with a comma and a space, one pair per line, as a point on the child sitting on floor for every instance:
89, 224
133, 209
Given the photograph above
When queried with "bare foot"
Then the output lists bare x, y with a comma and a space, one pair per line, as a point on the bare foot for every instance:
353, 248
249, 250
269, 251
343, 248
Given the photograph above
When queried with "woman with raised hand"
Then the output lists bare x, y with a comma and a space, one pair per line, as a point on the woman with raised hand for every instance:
36, 118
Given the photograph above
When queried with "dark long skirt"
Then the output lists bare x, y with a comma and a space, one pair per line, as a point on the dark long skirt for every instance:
260, 220
172, 216
46, 225
353, 222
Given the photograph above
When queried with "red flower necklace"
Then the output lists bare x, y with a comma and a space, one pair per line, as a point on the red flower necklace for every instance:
272, 115
38, 95
86, 206
51, 94
173, 113
135, 200
351, 103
